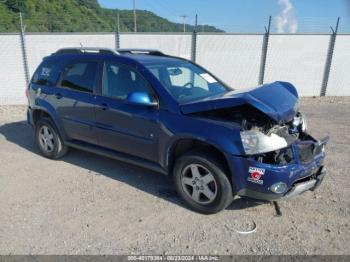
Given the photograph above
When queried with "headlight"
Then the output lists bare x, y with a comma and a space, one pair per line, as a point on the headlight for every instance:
255, 142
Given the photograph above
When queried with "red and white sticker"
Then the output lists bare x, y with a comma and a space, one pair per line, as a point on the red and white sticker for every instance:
255, 175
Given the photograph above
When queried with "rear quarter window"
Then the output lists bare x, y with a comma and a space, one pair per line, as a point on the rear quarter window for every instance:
44, 74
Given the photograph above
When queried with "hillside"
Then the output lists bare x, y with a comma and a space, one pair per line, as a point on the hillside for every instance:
81, 16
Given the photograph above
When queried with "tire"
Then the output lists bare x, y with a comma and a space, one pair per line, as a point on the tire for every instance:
49, 140
210, 175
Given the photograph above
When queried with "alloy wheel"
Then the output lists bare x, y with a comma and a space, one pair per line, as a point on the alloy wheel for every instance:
46, 139
199, 184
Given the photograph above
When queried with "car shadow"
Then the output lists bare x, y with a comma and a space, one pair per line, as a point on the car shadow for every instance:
21, 134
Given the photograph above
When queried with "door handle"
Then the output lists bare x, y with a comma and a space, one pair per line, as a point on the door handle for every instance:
104, 106
58, 95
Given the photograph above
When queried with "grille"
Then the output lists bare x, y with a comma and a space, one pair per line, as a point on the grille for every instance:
306, 152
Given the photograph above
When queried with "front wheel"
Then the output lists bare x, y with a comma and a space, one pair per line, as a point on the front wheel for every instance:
48, 139
201, 181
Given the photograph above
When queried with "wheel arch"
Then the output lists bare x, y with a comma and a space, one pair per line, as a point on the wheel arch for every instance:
185, 144
42, 112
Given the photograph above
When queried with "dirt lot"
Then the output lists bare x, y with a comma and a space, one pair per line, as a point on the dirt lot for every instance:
86, 204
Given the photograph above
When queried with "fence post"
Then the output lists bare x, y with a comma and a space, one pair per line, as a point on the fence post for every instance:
24, 50
265, 46
194, 42
117, 40
327, 68
117, 34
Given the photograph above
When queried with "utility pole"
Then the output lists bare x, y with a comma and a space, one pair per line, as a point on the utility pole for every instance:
135, 22
184, 21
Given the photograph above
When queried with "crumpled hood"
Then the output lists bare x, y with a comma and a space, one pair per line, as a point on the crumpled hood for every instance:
278, 100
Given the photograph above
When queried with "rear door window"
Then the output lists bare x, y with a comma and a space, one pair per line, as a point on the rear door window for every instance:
80, 76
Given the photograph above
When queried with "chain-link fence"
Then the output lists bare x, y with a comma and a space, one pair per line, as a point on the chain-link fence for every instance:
315, 64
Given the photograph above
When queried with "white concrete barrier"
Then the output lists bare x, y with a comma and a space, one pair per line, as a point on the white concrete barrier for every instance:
235, 58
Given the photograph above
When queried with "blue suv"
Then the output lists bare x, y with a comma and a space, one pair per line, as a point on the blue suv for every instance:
170, 115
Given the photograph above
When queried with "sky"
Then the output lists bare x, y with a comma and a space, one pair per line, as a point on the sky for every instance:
250, 16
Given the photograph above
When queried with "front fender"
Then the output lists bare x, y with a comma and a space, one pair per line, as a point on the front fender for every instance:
223, 136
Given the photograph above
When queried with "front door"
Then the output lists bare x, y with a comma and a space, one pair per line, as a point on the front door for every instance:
121, 126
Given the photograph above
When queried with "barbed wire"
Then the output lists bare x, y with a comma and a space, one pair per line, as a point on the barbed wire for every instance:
305, 25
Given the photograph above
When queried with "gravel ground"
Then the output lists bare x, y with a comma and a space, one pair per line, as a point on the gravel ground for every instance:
87, 204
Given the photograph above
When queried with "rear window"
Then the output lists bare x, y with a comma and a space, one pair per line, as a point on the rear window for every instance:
44, 74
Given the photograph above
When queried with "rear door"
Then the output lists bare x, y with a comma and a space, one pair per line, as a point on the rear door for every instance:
121, 126
74, 99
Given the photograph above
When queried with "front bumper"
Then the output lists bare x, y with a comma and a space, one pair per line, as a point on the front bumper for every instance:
297, 189
254, 179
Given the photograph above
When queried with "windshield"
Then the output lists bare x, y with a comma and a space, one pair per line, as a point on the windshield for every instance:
186, 81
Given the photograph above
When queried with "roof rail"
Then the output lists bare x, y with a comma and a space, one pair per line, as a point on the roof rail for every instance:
79, 50
140, 51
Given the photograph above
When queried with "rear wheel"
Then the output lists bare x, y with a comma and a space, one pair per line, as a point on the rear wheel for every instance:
49, 140
201, 181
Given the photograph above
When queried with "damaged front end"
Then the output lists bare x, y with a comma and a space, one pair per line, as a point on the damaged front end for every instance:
281, 159
278, 157
281, 144
291, 159
273, 143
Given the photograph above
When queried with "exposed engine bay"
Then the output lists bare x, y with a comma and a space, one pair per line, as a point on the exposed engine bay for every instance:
253, 121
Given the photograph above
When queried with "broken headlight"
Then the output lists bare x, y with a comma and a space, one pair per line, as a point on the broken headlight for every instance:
255, 142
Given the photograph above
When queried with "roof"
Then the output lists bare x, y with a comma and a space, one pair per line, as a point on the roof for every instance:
153, 59
143, 56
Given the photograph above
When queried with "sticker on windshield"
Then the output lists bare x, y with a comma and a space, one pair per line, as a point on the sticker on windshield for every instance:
208, 78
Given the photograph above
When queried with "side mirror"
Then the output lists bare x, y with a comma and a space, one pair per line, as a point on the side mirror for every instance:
141, 98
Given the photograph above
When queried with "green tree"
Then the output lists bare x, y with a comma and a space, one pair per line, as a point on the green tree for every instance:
79, 16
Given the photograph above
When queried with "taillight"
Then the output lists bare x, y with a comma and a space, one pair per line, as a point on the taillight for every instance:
27, 92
